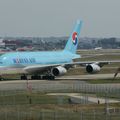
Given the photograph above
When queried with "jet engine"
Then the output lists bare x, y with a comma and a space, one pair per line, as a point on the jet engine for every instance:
92, 68
58, 71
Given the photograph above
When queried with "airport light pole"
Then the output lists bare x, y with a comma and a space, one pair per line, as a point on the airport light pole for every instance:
106, 103
28, 86
29, 89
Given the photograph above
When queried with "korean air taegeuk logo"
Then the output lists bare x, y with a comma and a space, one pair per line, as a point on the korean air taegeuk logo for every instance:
74, 38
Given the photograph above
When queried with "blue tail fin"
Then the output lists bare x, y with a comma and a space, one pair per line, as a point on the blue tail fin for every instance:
72, 42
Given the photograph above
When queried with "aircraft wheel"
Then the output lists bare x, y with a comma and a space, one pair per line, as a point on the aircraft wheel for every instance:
35, 77
23, 77
48, 77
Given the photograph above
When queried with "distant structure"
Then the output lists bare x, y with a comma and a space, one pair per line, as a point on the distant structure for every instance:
14, 44
98, 48
51, 43
2, 44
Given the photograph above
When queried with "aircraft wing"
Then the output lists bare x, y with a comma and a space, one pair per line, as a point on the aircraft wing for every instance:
100, 63
43, 68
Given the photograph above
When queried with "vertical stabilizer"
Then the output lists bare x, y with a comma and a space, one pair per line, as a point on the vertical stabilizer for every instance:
72, 42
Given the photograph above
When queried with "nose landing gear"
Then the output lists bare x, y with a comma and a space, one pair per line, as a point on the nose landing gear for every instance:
38, 77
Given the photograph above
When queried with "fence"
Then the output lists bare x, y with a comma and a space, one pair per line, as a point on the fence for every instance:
20, 97
58, 115
105, 91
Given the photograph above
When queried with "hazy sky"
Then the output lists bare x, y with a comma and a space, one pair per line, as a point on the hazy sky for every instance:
56, 17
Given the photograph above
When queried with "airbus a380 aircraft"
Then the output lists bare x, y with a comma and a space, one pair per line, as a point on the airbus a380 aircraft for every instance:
49, 64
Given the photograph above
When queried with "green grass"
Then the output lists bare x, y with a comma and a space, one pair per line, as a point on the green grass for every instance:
54, 112
100, 58
103, 51
17, 106
27, 98
103, 81
114, 95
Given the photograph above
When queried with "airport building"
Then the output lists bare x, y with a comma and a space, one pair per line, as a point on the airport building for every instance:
14, 44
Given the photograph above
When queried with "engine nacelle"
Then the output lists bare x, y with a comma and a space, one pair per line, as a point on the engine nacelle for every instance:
58, 71
92, 68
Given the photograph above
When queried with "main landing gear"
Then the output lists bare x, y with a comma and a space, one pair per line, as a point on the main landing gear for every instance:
24, 77
38, 77
44, 77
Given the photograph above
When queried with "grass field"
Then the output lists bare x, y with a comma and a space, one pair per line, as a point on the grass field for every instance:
43, 107
102, 51
30, 98
103, 81
53, 114
106, 54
